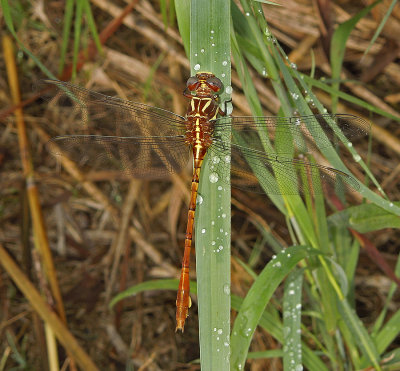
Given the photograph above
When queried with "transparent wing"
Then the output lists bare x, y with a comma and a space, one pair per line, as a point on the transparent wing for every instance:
259, 172
115, 134
305, 131
140, 157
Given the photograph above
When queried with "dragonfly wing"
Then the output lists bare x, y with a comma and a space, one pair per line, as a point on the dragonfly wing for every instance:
92, 113
306, 132
259, 172
140, 157
108, 133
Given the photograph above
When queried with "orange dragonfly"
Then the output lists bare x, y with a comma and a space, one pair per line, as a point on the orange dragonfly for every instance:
149, 143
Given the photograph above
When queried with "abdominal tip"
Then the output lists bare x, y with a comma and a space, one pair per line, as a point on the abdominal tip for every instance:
180, 326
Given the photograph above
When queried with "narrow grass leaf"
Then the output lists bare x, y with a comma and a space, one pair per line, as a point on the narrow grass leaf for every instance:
338, 47
292, 357
393, 288
271, 323
258, 297
388, 333
366, 218
77, 36
381, 25
92, 25
182, 9
68, 14
359, 333
162, 284
347, 97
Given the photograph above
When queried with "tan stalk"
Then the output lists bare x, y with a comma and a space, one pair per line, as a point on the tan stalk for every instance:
42, 308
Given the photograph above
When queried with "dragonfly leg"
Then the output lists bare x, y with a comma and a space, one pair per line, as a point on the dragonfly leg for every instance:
223, 112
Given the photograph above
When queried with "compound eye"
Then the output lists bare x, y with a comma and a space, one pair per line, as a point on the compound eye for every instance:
192, 83
215, 84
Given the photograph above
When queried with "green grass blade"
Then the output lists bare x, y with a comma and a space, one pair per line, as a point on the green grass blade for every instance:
182, 9
271, 324
359, 333
92, 25
292, 357
381, 25
77, 36
210, 51
257, 298
388, 333
338, 47
162, 284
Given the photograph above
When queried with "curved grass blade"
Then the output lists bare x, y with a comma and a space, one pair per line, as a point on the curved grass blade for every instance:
257, 298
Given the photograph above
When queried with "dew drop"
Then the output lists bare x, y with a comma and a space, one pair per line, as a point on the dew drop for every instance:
227, 289
295, 96
196, 67
216, 160
349, 144
203, 230
213, 177
224, 63
199, 199
357, 158
228, 89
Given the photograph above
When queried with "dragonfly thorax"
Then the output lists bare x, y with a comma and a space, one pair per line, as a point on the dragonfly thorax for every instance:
203, 108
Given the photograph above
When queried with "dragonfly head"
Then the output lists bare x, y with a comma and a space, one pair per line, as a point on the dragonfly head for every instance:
205, 84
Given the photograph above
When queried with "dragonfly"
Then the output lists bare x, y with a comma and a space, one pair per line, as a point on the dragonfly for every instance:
149, 143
